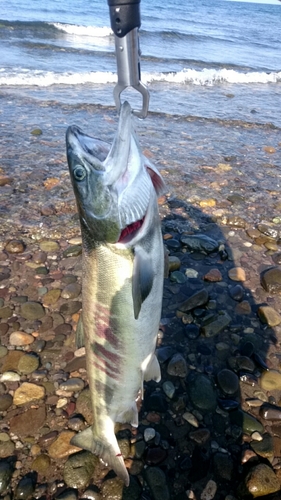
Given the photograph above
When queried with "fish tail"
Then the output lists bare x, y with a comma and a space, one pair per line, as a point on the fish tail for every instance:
108, 451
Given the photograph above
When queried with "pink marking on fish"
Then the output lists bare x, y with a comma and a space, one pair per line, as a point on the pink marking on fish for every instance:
111, 356
103, 331
105, 370
106, 364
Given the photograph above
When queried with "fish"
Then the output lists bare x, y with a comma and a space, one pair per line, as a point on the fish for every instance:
116, 189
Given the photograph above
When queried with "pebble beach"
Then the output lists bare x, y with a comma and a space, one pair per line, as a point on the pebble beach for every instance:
211, 429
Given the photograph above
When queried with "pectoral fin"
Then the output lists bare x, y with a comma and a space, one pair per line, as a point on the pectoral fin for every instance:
79, 334
142, 279
153, 371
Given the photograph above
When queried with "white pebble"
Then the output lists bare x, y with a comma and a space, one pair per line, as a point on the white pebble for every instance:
256, 436
80, 352
149, 434
169, 389
209, 491
191, 273
247, 244
189, 417
10, 377
61, 403
231, 233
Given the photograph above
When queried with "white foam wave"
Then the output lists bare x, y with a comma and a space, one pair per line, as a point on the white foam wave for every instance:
79, 30
21, 76
213, 76
48, 78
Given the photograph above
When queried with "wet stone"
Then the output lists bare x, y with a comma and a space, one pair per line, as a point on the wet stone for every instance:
265, 447
73, 251
237, 274
48, 438
200, 243
3, 329
6, 472
244, 420
192, 331
84, 405
201, 392
169, 389
7, 448
173, 244
177, 366
41, 464
270, 380
72, 385
49, 246
174, 263
218, 325
63, 329
3, 351
271, 280
15, 246
270, 412
40, 257
72, 494
75, 423
177, 277
25, 488
200, 436
156, 481
6, 312
69, 308
213, 275
260, 481
198, 299
28, 422
269, 316
28, 392
228, 381
32, 310
62, 447
223, 466
79, 468
28, 363
71, 291
156, 402
52, 296
6, 400
21, 338
155, 456
11, 361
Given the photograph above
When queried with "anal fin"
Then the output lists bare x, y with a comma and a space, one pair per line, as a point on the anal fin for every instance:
153, 371
129, 416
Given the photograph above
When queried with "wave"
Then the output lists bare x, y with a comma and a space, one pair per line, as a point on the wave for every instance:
80, 30
206, 77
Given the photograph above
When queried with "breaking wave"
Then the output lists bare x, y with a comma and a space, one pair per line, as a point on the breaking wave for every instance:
205, 77
79, 30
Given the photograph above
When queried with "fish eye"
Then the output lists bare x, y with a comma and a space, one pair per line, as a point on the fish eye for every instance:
79, 173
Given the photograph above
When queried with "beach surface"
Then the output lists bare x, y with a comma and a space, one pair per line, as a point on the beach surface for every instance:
211, 429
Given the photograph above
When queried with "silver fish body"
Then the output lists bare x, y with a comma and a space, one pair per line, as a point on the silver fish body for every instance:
123, 265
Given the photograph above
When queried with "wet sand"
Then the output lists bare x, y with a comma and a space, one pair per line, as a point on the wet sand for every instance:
223, 182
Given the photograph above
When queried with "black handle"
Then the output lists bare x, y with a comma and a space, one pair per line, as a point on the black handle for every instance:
124, 16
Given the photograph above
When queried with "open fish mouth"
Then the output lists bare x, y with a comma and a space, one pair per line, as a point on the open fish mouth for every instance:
130, 231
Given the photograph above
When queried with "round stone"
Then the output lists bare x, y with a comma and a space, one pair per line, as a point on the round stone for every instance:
261, 481
73, 251
32, 310
28, 364
73, 385
6, 401
49, 246
51, 297
21, 338
213, 275
149, 434
270, 380
3, 351
177, 366
237, 274
6, 472
228, 381
71, 291
15, 246
269, 316
69, 308
79, 468
169, 389
271, 280
201, 391
41, 464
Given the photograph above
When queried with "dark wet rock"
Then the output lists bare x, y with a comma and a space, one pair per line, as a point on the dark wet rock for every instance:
6, 312
48, 438
228, 381
265, 447
200, 436
15, 246
271, 280
237, 221
40, 257
27, 422
69, 494
247, 422
4, 274
76, 423
156, 402
243, 363
228, 404
32, 310
223, 466
25, 487
38, 345
260, 481
270, 412
200, 243
3, 329
198, 299
248, 378
247, 349
177, 277
6, 472
155, 456
47, 324
75, 364
200, 464
156, 481
174, 263
164, 353
177, 366
201, 391
7, 449
259, 361
64, 329
69, 308
42, 270
218, 325
276, 257
6, 400
79, 468
73, 251
72, 384
192, 331
51, 297
173, 244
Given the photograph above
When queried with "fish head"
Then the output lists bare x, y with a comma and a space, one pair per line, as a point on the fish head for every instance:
112, 185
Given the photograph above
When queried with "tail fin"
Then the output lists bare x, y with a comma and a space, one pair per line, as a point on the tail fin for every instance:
108, 452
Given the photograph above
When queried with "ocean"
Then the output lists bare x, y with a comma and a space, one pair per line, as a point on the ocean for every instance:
220, 60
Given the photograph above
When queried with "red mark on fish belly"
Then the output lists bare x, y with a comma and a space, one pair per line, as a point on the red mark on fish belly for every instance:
103, 327
106, 369
106, 353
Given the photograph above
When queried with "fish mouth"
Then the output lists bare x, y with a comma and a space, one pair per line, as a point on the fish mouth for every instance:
130, 231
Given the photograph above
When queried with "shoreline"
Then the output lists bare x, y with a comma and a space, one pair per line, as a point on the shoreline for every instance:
223, 183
